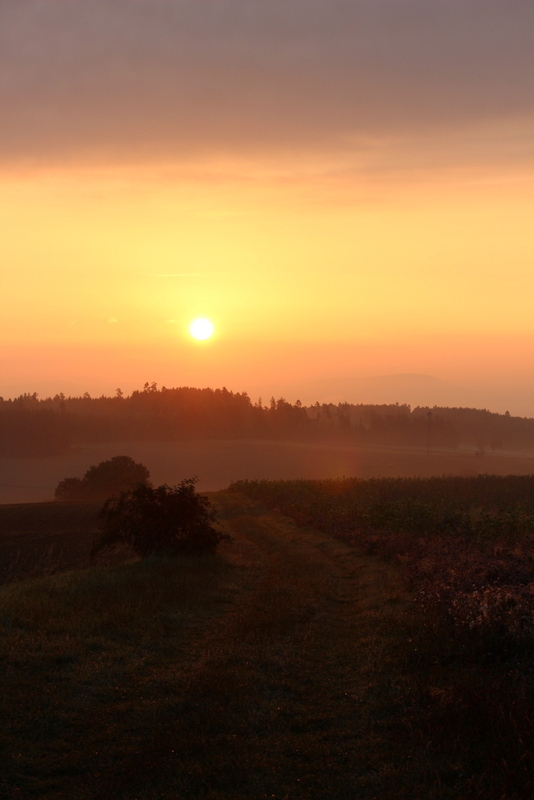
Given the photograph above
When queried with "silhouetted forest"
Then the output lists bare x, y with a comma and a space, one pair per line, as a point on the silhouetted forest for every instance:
30, 426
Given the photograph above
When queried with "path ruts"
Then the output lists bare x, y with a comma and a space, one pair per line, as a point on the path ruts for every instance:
296, 692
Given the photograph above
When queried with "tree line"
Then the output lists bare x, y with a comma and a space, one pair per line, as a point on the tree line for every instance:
31, 426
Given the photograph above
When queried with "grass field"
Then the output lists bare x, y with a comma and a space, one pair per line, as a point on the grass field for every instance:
218, 463
289, 665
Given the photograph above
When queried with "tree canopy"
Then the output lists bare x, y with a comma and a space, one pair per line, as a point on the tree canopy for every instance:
30, 426
118, 474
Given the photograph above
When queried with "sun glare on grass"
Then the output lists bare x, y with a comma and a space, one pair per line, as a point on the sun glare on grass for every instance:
201, 329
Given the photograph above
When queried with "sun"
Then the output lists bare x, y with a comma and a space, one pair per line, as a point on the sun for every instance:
201, 329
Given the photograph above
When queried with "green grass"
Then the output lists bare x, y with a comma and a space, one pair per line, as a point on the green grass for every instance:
289, 665
90, 658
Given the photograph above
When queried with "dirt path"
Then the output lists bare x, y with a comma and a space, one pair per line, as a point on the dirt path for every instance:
295, 693
279, 672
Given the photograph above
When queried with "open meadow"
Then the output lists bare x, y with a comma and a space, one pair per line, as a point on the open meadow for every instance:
298, 661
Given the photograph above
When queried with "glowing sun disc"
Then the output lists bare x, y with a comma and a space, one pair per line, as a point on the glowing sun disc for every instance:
201, 328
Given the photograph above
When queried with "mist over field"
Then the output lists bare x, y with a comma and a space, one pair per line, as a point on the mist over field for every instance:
31, 480
222, 436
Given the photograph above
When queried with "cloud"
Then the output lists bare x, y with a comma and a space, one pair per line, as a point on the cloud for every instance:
172, 79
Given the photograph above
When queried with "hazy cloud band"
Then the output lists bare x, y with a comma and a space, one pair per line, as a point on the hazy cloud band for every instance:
119, 78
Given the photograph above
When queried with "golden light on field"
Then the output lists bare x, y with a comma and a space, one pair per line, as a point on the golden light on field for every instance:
201, 329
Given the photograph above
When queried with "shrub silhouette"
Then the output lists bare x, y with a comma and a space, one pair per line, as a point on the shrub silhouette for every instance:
120, 473
167, 520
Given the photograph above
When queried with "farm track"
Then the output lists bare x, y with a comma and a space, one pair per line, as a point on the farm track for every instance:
282, 674
290, 695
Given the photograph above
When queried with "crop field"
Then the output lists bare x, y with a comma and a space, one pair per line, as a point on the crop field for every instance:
466, 544
465, 547
219, 462
41, 538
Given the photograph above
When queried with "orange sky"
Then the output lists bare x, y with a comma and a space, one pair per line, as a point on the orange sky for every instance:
339, 199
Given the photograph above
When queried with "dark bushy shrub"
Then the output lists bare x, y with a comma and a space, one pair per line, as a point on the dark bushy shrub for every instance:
168, 520
119, 474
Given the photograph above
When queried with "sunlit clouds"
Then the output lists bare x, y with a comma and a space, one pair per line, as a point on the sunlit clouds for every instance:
344, 187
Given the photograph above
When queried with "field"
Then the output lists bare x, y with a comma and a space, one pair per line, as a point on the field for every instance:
297, 662
218, 463
466, 544
36, 538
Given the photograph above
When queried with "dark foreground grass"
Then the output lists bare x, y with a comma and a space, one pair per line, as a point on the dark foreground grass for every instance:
465, 547
89, 661
287, 666
41, 538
